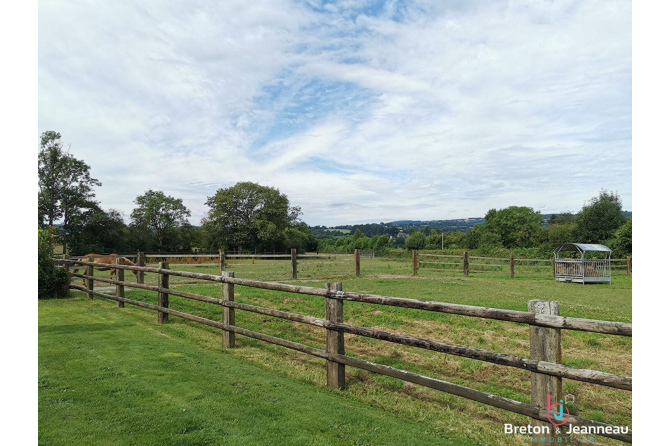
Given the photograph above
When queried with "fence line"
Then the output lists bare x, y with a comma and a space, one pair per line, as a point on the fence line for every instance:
420, 261
511, 264
526, 317
335, 329
224, 261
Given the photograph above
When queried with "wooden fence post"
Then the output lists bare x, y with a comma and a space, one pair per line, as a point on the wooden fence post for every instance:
66, 266
553, 265
334, 338
227, 313
511, 265
466, 264
357, 254
90, 272
140, 262
415, 262
163, 298
294, 263
120, 291
629, 265
222, 260
545, 345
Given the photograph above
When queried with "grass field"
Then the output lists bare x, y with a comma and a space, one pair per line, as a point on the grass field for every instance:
441, 414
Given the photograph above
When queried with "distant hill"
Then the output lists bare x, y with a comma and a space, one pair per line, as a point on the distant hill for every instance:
406, 226
461, 224
394, 227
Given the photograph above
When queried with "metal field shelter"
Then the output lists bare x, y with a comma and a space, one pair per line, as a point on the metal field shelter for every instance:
583, 263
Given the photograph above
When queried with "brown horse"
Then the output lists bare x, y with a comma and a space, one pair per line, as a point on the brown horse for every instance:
109, 261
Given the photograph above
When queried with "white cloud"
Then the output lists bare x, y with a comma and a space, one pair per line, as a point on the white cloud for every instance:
430, 111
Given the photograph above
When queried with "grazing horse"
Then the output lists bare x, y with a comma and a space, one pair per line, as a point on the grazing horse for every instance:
109, 263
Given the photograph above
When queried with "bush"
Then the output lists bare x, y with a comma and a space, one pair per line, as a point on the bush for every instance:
622, 245
490, 243
416, 241
51, 281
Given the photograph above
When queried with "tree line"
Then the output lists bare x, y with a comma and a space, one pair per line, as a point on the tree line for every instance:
245, 217
601, 220
248, 217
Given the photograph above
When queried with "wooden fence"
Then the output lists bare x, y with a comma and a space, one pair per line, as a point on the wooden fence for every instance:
270, 266
543, 318
467, 264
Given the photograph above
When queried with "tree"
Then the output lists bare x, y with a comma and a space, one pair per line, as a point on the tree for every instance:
308, 241
159, 213
600, 218
416, 241
517, 226
100, 232
455, 239
51, 281
623, 239
561, 233
434, 240
474, 236
380, 243
489, 243
65, 185
190, 237
561, 219
248, 216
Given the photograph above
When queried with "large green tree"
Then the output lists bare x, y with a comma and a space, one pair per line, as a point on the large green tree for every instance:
417, 240
248, 216
517, 226
161, 214
600, 217
65, 186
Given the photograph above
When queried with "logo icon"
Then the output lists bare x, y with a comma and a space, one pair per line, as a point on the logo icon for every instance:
560, 418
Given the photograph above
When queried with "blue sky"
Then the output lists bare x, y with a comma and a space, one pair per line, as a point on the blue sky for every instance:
361, 111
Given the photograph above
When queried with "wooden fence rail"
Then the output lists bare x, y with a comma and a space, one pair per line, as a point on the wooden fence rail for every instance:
231, 261
306, 262
542, 365
481, 264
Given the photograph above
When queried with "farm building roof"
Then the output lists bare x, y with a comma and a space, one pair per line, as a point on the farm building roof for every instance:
582, 247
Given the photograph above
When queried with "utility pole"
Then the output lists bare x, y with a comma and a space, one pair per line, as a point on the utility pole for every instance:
443, 241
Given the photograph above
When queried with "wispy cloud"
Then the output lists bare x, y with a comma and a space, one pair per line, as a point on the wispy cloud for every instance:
358, 111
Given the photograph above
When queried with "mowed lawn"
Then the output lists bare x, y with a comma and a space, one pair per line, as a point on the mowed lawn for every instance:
109, 376
443, 417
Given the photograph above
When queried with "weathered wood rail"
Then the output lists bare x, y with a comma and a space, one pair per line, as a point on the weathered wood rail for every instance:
467, 264
542, 317
286, 265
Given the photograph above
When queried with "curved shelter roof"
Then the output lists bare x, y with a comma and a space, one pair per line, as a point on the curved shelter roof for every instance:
582, 247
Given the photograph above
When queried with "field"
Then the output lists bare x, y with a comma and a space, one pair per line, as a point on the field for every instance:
443, 416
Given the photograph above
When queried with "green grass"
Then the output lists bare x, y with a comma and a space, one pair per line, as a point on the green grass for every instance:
442, 412
114, 376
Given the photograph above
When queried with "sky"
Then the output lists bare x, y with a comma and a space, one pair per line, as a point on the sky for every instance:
358, 111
